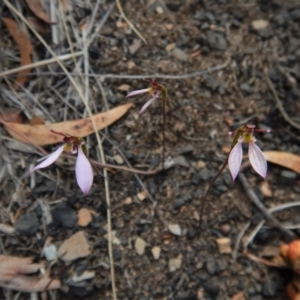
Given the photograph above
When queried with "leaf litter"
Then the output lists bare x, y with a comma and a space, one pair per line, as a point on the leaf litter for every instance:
41, 134
25, 47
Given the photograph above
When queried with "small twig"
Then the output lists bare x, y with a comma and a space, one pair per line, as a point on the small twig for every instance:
40, 64
164, 133
280, 106
271, 210
97, 27
127, 76
53, 21
129, 23
238, 240
252, 196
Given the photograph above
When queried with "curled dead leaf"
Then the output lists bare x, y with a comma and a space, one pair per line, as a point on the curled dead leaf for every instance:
36, 7
41, 134
284, 159
24, 45
38, 25
13, 272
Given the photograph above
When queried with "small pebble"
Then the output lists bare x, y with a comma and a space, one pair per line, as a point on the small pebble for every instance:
140, 246
260, 24
64, 215
27, 224
74, 247
224, 245
118, 159
50, 252
174, 229
175, 264
156, 252
84, 217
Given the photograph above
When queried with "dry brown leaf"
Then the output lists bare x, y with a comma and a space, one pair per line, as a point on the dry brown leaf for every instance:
41, 134
25, 48
38, 10
284, 159
12, 115
36, 120
38, 25
265, 188
12, 275
238, 296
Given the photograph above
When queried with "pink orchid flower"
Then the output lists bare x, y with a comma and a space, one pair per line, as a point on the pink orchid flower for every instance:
256, 157
83, 169
155, 91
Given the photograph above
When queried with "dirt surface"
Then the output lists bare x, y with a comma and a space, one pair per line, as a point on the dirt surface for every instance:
250, 42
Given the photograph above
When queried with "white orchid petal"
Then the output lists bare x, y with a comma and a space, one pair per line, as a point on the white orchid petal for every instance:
257, 160
137, 92
149, 102
84, 172
235, 159
50, 159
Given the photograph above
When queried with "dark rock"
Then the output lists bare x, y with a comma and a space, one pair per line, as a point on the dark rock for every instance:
203, 276
191, 233
211, 267
227, 179
174, 6
196, 178
221, 90
182, 40
27, 224
210, 17
81, 289
221, 265
112, 98
265, 32
211, 289
94, 52
281, 18
211, 82
216, 40
117, 254
63, 215
295, 14
178, 203
200, 16
205, 174
288, 174
235, 23
251, 290
187, 149
269, 288
245, 87
256, 297
221, 188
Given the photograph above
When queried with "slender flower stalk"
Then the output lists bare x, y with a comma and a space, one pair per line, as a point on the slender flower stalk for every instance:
155, 90
83, 169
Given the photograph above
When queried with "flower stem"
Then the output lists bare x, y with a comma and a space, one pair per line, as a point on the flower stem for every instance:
164, 133
204, 197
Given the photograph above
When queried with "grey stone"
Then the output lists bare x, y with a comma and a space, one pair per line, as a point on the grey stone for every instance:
64, 215
27, 225
216, 40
